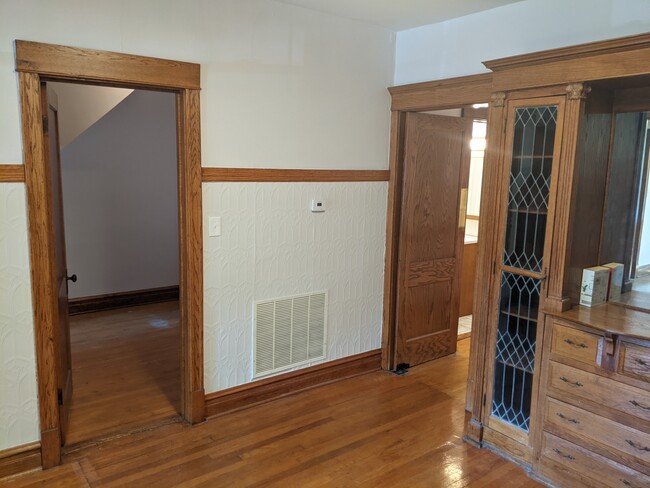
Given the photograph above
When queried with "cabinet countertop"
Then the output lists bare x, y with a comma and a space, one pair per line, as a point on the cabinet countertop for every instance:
610, 318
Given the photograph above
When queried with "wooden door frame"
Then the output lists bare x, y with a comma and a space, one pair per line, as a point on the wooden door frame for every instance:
440, 95
36, 62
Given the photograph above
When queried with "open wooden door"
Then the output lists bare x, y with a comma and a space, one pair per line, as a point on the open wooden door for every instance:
62, 334
432, 227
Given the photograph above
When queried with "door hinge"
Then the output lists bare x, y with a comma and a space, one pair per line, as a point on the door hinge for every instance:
45, 125
402, 368
484, 398
59, 395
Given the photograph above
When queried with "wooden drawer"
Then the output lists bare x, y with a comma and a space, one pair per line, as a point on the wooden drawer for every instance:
598, 470
634, 360
628, 442
601, 390
576, 344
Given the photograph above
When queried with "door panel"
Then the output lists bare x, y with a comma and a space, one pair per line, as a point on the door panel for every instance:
62, 346
436, 167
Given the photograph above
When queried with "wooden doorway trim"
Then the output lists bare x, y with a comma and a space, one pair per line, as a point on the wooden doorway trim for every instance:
36, 62
440, 95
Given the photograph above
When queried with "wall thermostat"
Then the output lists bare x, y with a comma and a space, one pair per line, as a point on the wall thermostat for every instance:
317, 205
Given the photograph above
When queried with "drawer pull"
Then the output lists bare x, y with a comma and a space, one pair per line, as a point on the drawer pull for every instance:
567, 456
639, 405
574, 383
564, 417
641, 362
626, 482
636, 446
579, 345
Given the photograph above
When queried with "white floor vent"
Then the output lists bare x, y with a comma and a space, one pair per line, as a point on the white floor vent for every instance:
289, 332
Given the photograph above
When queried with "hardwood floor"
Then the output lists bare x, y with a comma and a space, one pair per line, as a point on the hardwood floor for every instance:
125, 370
373, 430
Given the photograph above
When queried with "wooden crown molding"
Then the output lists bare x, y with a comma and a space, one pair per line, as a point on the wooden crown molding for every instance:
440, 94
291, 175
621, 44
614, 58
75, 63
270, 389
12, 173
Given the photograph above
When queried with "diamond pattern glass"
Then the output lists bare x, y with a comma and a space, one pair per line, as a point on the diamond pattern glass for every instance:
515, 348
528, 200
529, 188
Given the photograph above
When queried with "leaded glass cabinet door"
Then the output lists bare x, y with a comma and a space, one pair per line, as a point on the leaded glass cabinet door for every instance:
528, 197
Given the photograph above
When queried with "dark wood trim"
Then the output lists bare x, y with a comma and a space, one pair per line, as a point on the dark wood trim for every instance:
122, 299
20, 459
442, 94
632, 100
393, 213
73, 63
35, 62
41, 243
291, 175
269, 389
190, 217
12, 173
487, 242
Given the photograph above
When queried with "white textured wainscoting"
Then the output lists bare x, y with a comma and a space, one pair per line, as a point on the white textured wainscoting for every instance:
272, 246
18, 397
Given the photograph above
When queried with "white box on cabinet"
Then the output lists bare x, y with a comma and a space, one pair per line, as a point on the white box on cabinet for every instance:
593, 290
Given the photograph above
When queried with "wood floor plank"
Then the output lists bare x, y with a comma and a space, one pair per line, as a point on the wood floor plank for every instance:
125, 370
373, 430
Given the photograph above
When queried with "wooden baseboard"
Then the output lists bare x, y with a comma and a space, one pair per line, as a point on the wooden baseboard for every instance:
269, 389
20, 459
120, 300
464, 335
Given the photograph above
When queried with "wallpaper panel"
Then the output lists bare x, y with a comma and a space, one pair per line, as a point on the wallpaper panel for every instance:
272, 246
18, 393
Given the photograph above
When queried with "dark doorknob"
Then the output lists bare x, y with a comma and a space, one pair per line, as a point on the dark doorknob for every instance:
73, 278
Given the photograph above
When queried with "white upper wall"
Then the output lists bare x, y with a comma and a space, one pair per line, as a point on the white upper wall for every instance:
282, 86
457, 47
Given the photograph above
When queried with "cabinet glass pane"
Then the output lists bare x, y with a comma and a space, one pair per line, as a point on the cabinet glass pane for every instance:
515, 349
529, 187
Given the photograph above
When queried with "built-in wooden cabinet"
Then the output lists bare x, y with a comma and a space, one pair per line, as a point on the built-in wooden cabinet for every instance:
565, 389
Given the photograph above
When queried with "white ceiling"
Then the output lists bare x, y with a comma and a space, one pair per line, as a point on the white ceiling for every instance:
400, 14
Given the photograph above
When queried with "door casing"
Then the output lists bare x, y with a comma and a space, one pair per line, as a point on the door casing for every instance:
37, 62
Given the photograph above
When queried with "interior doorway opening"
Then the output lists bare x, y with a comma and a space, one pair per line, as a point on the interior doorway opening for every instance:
440, 173
114, 152
37, 63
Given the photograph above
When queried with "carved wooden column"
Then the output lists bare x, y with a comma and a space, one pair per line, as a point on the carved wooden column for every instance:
487, 241
557, 298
